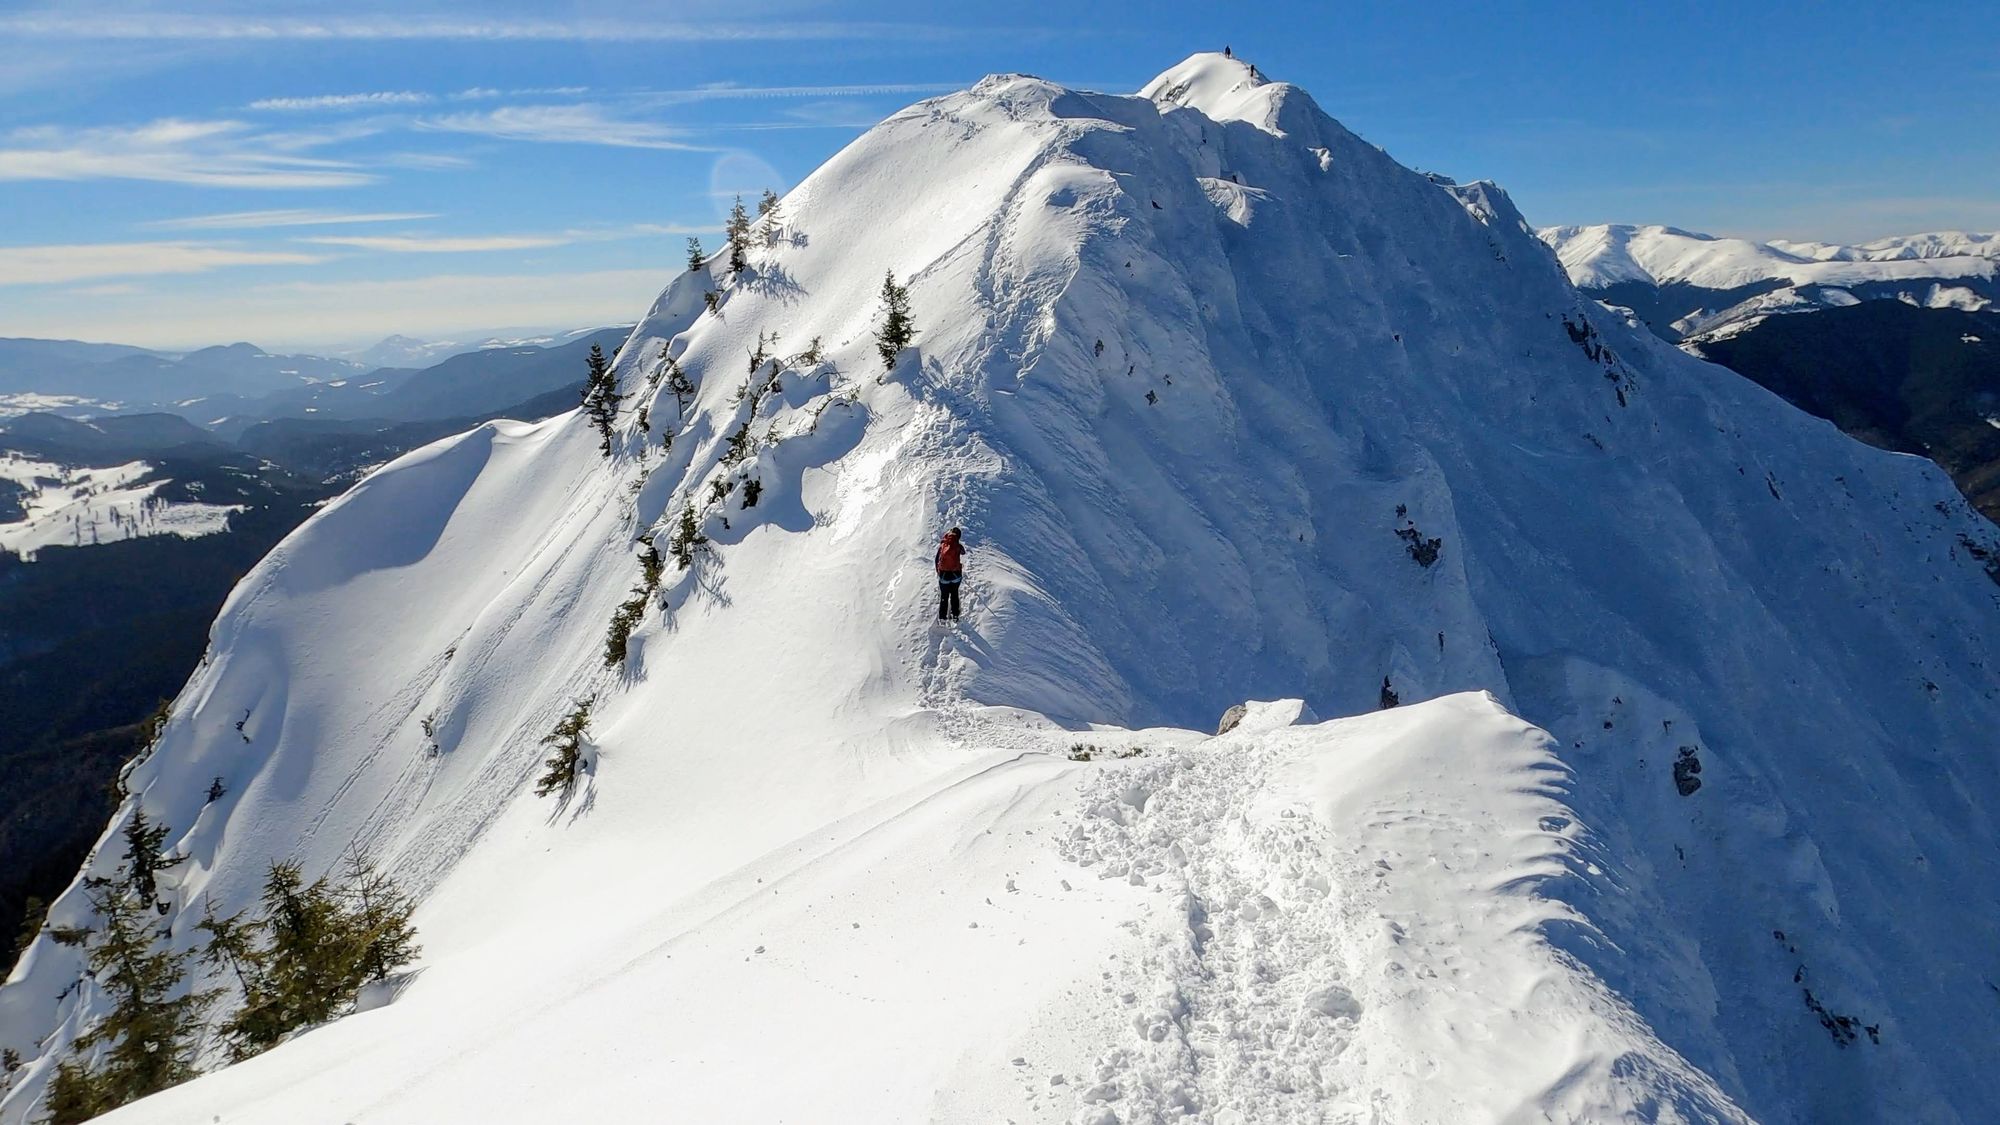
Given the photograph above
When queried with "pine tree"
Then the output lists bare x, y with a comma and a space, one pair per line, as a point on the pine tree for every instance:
737, 445
379, 912
897, 331
601, 397
696, 259
142, 855
303, 961
767, 217
679, 383
763, 353
33, 913
74, 1095
305, 968
560, 770
232, 944
625, 619
149, 1036
651, 566
686, 539
738, 232
155, 723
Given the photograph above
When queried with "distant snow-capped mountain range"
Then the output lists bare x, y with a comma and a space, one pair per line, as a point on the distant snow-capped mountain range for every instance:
80, 379
1903, 349
1608, 253
406, 351
1683, 283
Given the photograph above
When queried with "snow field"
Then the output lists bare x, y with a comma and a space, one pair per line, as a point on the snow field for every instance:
68, 506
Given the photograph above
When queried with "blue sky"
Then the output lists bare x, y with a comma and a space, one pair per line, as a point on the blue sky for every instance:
315, 176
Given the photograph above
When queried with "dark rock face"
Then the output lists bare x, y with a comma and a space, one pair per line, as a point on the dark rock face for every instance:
1230, 718
1687, 772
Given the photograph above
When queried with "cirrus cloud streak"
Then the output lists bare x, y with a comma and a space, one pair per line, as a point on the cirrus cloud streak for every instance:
173, 150
56, 264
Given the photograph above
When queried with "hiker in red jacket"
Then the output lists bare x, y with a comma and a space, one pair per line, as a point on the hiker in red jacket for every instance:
950, 572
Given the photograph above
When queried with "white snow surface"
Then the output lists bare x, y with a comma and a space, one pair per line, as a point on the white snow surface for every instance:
1934, 244
1706, 326
71, 506
14, 405
831, 863
1608, 253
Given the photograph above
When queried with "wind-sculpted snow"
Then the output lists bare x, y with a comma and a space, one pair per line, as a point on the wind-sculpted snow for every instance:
1231, 407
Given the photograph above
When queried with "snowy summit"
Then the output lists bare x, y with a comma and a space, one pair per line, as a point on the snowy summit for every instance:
1624, 752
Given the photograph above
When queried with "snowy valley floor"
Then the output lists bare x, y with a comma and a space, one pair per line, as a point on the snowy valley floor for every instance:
1217, 929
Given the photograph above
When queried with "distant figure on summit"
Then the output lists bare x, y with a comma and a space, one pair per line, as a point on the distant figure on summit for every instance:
950, 572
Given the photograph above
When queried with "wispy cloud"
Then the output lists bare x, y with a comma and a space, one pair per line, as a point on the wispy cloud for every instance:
654, 229
210, 153
722, 91
288, 217
375, 100
423, 161
388, 99
209, 27
811, 115
473, 244
50, 265
315, 314
583, 123
114, 289
418, 244
483, 93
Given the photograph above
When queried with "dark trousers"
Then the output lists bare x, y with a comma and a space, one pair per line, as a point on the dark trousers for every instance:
948, 582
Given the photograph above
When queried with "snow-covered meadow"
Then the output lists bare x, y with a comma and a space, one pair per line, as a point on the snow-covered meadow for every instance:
76, 506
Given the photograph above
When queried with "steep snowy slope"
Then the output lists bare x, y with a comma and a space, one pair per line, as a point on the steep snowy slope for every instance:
1231, 407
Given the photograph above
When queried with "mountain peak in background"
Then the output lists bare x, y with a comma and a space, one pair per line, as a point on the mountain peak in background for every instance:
1608, 253
1607, 739
1922, 377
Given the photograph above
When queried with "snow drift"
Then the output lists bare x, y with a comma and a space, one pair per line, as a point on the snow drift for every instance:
1232, 407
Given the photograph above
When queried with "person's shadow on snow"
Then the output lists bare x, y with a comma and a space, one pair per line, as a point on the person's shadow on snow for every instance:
972, 644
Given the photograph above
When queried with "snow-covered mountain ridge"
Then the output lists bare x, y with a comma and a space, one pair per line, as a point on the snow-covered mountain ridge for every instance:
1608, 253
1688, 285
1231, 407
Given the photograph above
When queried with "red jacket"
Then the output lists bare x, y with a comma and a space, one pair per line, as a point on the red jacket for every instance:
950, 554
